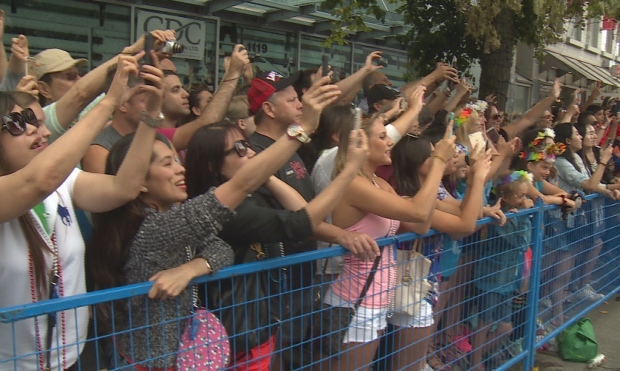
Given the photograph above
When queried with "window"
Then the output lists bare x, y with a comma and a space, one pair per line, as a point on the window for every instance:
522, 98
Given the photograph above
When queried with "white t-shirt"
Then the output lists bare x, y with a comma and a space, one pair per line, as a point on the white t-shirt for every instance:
15, 286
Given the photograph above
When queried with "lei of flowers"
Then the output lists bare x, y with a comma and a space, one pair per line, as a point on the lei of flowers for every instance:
530, 156
547, 133
462, 117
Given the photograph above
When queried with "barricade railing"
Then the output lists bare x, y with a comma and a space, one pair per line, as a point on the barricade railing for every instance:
489, 301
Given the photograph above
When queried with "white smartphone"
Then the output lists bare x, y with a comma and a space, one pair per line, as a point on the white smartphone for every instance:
477, 141
357, 120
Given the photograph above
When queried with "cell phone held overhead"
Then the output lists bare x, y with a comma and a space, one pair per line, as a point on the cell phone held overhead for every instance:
324, 64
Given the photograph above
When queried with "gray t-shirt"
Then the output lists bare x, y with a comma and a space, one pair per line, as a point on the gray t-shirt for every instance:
107, 138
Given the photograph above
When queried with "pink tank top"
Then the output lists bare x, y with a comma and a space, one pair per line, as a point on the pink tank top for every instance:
350, 282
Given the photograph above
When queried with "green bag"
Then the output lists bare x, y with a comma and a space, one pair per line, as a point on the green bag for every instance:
577, 343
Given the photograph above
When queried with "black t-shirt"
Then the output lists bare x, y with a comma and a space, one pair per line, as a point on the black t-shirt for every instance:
293, 173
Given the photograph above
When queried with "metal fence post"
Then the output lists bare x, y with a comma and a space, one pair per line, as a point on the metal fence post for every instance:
532, 309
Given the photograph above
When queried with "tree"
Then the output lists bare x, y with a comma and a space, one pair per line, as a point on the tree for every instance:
486, 31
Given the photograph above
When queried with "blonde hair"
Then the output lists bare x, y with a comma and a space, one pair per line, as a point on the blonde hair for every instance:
463, 131
239, 108
341, 156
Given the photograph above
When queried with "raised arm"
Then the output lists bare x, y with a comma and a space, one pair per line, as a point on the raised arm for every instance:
3, 62
352, 84
528, 118
23, 189
216, 110
92, 84
443, 71
260, 167
408, 120
99, 192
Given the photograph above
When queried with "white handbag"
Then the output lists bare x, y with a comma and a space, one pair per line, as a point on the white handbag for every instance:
412, 285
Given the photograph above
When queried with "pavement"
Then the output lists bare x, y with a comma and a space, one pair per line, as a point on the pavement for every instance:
606, 321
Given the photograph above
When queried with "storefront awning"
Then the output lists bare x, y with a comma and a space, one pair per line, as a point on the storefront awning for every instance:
587, 70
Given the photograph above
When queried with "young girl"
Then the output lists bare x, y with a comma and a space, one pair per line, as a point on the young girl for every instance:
371, 206
40, 242
412, 162
497, 266
152, 237
209, 164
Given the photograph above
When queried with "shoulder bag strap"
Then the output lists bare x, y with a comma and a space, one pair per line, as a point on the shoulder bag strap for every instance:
371, 277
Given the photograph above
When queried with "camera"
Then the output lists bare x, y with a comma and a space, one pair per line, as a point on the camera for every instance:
172, 47
382, 62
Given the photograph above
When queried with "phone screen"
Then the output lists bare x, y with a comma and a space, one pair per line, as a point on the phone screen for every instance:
493, 134
325, 66
477, 141
451, 118
31, 67
357, 123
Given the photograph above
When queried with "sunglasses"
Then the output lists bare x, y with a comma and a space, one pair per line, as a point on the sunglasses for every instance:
241, 147
496, 116
15, 122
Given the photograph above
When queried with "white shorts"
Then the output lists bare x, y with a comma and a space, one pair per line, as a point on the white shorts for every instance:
423, 318
366, 323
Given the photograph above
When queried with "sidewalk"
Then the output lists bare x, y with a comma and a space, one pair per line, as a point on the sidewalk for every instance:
607, 331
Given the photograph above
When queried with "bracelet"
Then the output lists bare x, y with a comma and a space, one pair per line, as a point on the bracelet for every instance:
209, 267
602, 164
441, 159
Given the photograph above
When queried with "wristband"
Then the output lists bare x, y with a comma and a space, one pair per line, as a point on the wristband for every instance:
602, 164
209, 267
441, 159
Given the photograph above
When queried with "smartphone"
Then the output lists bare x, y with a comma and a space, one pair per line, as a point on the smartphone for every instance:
492, 134
31, 67
451, 118
149, 44
382, 62
453, 64
357, 119
403, 105
324, 66
477, 141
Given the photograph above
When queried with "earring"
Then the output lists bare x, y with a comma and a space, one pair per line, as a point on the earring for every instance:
144, 189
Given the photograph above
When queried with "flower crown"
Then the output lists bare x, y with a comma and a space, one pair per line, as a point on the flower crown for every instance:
549, 154
513, 177
546, 133
479, 106
555, 149
462, 117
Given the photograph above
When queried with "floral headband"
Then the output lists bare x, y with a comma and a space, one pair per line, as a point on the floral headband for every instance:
546, 133
479, 106
549, 154
513, 177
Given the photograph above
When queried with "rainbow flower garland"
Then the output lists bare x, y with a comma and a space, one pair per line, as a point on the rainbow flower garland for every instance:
479, 106
512, 177
549, 154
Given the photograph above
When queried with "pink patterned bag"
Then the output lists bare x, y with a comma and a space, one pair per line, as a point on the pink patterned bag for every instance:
204, 344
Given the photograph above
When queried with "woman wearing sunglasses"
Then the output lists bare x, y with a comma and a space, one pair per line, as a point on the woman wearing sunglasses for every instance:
40, 242
148, 238
215, 154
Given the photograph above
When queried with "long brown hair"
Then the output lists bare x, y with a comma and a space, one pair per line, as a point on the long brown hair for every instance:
36, 244
113, 233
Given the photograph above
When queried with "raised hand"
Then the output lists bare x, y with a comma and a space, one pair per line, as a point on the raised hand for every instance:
160, 37
444, 71
237, 61
320, 95
119, 93
445, 148
482, 167
28, 84
415, 100
556, 89
369, 66
357, 151
19, 48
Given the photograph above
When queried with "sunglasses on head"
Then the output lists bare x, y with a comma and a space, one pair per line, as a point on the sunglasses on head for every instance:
15, 122
241, 147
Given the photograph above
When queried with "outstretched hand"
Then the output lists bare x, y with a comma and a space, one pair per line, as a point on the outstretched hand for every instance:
357, 151
320, 95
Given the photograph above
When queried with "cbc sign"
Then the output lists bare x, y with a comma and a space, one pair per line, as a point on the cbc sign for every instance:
189, 32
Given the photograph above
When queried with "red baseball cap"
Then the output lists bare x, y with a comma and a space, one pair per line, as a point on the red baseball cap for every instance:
264, 85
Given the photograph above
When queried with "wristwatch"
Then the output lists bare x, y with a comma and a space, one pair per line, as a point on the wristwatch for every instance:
295, 131
152, 122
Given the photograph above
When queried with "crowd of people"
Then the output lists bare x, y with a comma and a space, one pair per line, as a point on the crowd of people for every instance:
122, 176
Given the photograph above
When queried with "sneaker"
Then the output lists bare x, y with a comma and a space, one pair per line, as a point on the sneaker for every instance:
546, 302
588, 293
